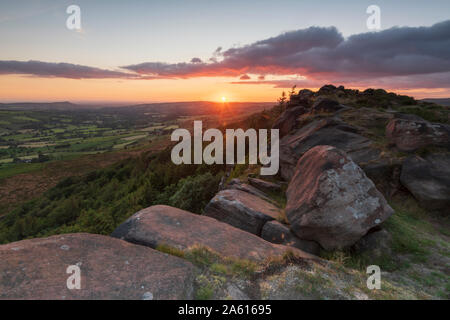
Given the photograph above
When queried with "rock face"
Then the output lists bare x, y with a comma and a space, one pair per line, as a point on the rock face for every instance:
330, 200
181, 229
109, 268
428, 179
287, 120
276, 232
241, 210
324, 132
410, 134
326, 105
264, 185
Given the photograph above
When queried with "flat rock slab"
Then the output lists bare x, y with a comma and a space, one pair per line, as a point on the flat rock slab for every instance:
428, 179
239, 185
263, 185
109, 269
241, 210
181, 229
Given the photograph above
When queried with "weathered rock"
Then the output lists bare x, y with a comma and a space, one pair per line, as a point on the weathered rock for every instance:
327, 131
158, 225
409, 135
109, 268
330, 199
241, 210
428, 179
287, 120
303, 98
264, 185
276, 232
326, 89
385, 174
239, 185
375, 244
326, 105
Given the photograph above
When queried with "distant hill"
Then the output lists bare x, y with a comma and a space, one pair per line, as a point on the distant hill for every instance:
190, 108
442, 101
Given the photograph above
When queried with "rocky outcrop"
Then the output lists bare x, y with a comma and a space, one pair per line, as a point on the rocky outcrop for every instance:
409, 134
109, 269
264, 185
241, 210
325, 105
328, 131
164, 225
330, 199
428, 179
287, 120
276, 232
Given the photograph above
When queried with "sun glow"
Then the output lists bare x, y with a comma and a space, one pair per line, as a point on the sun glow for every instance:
224, 99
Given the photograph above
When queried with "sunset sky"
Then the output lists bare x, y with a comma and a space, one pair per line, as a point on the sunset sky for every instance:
150, 51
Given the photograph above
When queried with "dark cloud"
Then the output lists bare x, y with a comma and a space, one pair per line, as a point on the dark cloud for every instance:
323, 53
60, 70
245, 77
196, 60
404, 56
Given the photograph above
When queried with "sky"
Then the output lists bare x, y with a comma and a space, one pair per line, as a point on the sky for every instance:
169, 50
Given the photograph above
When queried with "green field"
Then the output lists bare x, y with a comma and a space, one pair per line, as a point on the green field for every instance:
29, 137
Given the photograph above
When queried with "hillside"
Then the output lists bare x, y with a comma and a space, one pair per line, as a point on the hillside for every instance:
363, 181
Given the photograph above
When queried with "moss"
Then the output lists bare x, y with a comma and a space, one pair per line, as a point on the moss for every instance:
170, 250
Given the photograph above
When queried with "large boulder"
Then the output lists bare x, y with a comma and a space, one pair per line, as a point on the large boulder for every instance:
276, 232
327, 131
330, 199
164, 225
409, 134
287, 120
241, 210
109, 269
428, 179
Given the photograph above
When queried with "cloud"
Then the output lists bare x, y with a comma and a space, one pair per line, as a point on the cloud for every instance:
60, 70
399, 57
196, 60
319, 53
245, 77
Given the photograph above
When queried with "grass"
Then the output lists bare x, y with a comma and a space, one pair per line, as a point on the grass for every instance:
410, 232
19, 168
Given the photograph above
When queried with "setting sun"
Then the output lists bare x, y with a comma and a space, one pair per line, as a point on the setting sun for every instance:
224, 99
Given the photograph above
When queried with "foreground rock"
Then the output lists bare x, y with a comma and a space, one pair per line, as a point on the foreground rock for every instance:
428, 179
412, 133
330, 200
328, 131
241, 210
164, 225
110, 269
276, 232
